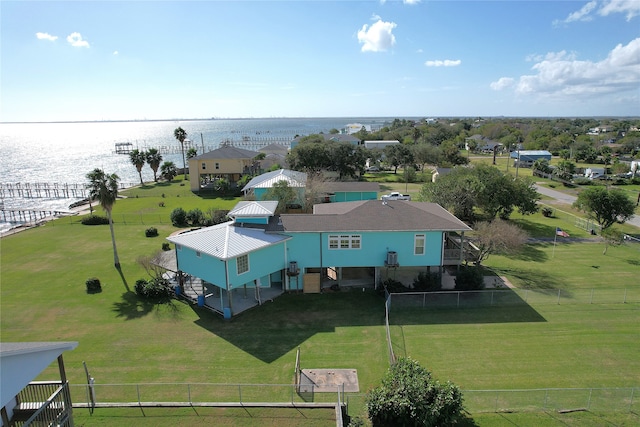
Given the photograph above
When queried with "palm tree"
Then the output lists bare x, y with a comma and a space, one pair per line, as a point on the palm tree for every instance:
104, 189
181, 134
168, 171
153, 159
138, 159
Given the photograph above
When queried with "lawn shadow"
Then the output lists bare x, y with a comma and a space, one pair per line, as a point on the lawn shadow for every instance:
530, 252
275, 328
536, 230
470, 307
132, 307
124, 279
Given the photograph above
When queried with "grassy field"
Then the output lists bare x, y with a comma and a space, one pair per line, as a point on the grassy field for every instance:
125, 340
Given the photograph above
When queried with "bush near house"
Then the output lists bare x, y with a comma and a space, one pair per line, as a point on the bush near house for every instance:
93, 285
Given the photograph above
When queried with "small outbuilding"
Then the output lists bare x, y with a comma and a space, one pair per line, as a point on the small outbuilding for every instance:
526, 158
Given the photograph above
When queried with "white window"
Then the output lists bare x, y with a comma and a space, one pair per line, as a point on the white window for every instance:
418, 244
243, 263
345, 241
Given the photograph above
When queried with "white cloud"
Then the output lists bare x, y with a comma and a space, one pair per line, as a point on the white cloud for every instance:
630, 7
378, 37
445, 63
583, 13
115, 52
46, 36
376, 17
502, 83
76, 40
551, 56
410, 1
563, 75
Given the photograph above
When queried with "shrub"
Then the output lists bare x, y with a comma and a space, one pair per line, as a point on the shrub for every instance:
95, 220
409, 396
469, 279
166, 247
93, 285
547, 212
393, 286
151, 232
195, 217
154, 289
178, 217
427, 282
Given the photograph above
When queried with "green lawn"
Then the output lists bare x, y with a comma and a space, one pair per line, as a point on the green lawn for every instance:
125, 340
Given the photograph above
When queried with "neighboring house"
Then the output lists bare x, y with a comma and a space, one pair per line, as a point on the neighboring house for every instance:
25, 402
527, 158
275, 154
327, 191
439, 172
225, 162
349, 191
260, 184
380, 144
484, 145
263, 255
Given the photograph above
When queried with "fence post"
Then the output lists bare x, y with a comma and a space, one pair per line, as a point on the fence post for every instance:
497, 395
624, 301
424, 299
189, 393
458, 304
240, 392
559, 296
591, 300
589, 401
631, 399
138, 391
546, 395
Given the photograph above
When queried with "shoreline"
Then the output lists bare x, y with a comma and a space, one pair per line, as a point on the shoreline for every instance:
79, 209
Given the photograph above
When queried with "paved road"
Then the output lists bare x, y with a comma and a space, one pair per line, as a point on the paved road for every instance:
569, 199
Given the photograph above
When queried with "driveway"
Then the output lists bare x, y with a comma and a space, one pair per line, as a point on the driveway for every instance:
568, 199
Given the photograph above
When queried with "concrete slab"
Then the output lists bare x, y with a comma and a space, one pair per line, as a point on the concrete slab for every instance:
329, 380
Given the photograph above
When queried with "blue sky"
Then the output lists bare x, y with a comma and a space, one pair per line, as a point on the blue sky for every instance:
112, 60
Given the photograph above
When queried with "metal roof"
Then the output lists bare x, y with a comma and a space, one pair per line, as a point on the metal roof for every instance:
374, 215
254, 209
226, 241
267, 180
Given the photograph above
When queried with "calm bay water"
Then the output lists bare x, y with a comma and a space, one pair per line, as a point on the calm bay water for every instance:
66, 152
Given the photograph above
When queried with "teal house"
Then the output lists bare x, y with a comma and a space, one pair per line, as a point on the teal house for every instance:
258, 255
326, 192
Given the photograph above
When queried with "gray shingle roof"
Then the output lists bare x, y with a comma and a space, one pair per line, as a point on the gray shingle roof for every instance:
227, 153
373, 215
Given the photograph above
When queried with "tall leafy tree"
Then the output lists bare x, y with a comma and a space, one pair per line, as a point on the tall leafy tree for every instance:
104, 188
153, 160
409, 396
138, 159
606, 207
281, 192
181, 134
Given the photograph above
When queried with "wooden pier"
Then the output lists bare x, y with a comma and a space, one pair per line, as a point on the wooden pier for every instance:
47, 190
42, 190
246, 142
30, 216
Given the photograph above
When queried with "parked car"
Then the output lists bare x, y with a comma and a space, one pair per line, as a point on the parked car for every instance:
395, 195
373, 169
